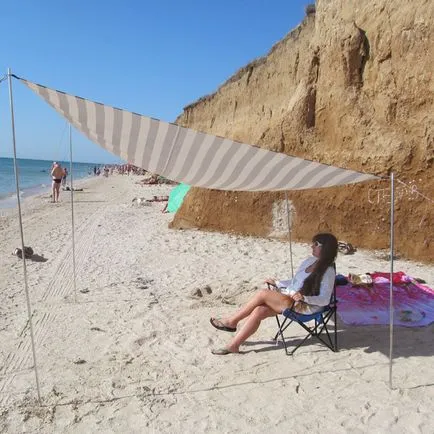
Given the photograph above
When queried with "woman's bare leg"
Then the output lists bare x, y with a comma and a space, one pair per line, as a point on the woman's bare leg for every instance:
276, 301
56, 191
250, 326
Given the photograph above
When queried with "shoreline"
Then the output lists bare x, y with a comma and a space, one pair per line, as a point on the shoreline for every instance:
9, 199
129, 343
37, 201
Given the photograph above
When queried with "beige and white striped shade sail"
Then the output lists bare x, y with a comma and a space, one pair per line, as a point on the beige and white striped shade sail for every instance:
188, 156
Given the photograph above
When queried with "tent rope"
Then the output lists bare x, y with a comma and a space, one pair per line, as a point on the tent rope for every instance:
415, 190
59, 153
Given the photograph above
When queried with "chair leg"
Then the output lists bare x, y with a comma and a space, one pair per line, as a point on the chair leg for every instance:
330, 343
319, 327
335, 319
311, 332
283, 327
280, 332
279, 328
299, 345
316, 332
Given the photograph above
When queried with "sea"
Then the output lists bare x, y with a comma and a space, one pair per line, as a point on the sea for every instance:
34, 177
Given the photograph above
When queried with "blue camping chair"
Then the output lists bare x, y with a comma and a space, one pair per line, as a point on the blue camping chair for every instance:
318, 330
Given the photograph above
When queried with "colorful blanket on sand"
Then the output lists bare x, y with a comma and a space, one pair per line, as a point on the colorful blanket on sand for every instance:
360, 305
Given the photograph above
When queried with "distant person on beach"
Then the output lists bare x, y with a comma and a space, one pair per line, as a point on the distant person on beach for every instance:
65, 170
57, 174
307, 292
94, 170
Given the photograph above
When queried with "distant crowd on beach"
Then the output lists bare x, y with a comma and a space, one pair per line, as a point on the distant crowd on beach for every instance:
59, 175
121, 169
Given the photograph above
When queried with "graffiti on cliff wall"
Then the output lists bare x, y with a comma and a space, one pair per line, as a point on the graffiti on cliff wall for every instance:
403, 191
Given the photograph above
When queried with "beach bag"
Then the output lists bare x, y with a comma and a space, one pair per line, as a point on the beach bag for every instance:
341, 280
360, 279
346, 248
28, 252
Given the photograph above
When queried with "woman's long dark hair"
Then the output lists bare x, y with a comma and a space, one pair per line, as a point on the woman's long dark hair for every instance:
329, 251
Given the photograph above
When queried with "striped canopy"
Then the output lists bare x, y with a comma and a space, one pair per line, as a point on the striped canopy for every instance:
188, 156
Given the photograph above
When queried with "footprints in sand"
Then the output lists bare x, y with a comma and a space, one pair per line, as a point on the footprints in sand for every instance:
205, 295
201, 292
119, 290
222, 293
143, 283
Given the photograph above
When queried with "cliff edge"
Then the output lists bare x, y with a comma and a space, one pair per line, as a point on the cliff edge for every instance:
351, 86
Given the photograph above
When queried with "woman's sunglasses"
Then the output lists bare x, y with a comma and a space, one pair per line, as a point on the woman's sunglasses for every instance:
316, 244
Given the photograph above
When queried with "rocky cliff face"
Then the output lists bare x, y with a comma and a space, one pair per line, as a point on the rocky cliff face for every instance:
351, 86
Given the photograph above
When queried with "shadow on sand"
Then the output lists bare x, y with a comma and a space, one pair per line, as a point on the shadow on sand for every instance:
37, 258
407, 341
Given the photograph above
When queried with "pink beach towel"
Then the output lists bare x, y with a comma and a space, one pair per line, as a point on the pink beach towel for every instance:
413, 303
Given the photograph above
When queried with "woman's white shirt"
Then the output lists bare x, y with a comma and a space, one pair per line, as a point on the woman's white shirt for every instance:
294, 285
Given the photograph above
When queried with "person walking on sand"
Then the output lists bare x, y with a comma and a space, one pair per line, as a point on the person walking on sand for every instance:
57, 173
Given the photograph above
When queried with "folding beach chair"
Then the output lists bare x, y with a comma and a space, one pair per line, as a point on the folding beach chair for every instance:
318, 330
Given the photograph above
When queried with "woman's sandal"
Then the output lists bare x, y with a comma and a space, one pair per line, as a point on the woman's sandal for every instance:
220, 326
222, 352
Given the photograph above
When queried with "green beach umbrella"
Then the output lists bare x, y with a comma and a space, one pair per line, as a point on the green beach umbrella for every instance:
176, 197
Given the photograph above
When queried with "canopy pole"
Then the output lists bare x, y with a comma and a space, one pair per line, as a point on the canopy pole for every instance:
72, 214
392, 212
29, 309
288, 216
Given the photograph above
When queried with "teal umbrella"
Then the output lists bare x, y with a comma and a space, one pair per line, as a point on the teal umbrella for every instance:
176, 197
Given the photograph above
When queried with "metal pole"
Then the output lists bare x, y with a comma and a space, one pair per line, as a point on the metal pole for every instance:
72, 213
29, 309
288, 216
392, 200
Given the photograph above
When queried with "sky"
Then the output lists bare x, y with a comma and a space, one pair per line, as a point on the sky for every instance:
149, 57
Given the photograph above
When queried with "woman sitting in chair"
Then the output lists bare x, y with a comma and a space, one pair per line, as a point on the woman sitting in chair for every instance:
309, 290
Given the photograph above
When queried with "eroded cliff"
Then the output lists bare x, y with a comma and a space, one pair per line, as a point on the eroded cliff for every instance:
351, 86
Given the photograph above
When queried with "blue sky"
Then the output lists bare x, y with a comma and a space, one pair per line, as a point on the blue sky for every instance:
150, 57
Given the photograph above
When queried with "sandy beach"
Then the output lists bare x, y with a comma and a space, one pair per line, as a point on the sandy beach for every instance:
127, 349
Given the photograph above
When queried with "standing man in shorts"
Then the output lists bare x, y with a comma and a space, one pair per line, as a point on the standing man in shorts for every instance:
57, 173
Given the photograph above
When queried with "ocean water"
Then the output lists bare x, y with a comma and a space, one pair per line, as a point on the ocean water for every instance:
34, 177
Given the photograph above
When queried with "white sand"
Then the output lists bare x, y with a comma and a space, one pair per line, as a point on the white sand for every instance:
128, 351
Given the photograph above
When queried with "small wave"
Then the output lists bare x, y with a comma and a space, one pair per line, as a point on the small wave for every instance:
14, 195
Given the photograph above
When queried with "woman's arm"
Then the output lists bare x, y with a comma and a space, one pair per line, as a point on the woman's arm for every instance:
285, 283
325, 291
